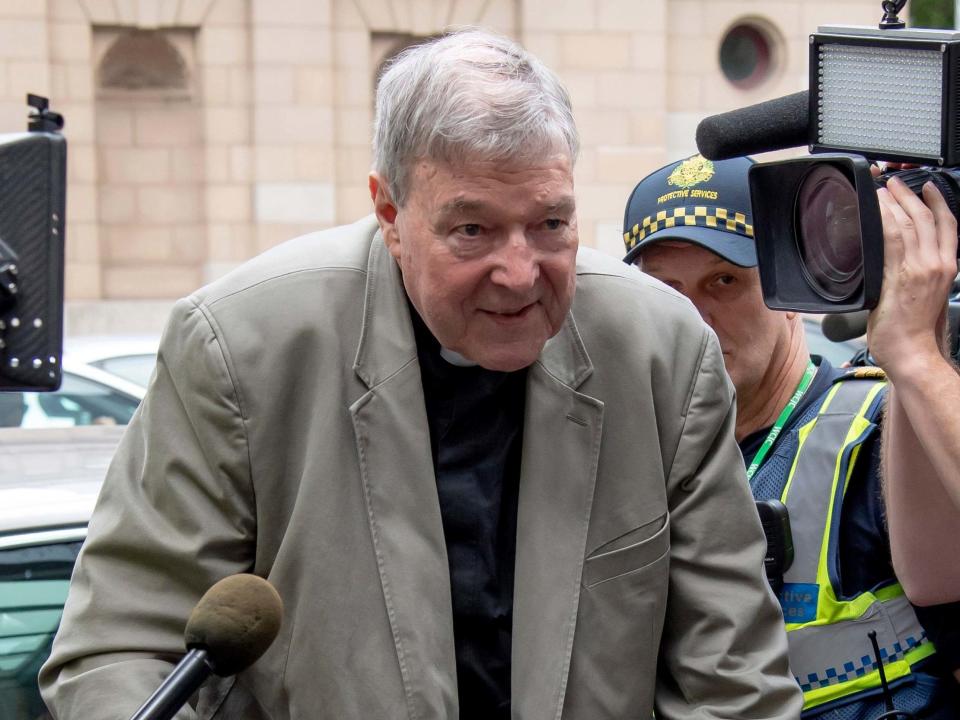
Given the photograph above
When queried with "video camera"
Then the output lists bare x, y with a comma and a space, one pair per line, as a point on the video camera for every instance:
886, 93
32, 221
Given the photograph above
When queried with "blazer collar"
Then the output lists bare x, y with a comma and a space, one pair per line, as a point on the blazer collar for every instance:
387, 343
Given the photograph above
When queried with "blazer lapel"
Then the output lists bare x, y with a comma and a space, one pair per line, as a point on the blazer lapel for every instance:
561, 445
393, 443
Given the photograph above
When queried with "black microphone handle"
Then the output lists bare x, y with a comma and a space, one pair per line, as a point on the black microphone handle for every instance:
173, 693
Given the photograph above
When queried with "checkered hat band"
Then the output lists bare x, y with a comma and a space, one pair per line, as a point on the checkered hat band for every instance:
700, 215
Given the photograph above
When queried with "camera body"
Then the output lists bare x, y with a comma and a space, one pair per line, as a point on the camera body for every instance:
875, 94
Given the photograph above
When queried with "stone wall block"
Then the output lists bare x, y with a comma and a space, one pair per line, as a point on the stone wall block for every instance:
294, 45
229, 242
354, 126
345, 14
354, 88
595, 51
168, 205
70, 41
501, 15
560, 15
274, 163
301, 202
189, 243
28, 77
228, 203
114, 125
70, 10
274, 84
82, 243
314, 85
599, 127
101, 12
154, 126
291, 12
82, 203
291, 127
628, 164
187, 165
137, 166
117, 204
193, 12
314, 163
82, 281
164, 281
82, 163
647, 18
135, 244
227, 12
685, 18
223, 45
351, 49
227, 126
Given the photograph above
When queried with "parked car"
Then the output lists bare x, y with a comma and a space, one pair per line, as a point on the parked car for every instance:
48, 488
129, 358
87, 396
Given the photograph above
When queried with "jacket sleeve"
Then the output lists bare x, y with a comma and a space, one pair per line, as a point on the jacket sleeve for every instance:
724, 649
175, 514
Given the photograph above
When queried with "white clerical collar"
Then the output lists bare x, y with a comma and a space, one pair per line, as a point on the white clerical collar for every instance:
455, 358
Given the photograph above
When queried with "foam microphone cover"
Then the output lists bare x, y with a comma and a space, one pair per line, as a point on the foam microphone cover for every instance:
845, 326
772, 125
235, 622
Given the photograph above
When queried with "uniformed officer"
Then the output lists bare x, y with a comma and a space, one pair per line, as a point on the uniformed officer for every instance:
809, 437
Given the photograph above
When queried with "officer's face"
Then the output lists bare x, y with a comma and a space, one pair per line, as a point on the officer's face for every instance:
488, 254
755, 340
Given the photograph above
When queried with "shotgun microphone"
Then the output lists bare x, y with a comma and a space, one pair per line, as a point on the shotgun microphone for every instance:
772, 125
844, 326
234, 623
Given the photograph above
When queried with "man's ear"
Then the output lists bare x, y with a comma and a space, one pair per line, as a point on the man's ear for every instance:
386, 211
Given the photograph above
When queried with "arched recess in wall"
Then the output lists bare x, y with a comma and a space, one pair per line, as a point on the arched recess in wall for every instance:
151, 158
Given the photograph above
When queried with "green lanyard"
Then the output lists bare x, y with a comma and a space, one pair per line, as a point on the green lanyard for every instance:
782, 419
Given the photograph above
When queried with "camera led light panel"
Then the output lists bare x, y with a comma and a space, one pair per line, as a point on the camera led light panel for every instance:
885, 94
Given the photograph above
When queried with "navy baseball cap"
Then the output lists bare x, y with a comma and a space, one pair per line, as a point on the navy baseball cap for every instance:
698, 201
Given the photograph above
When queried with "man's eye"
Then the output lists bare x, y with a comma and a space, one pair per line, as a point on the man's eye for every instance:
553, 223
725, 280
470, 230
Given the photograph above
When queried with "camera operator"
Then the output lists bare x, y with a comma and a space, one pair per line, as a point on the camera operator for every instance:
921, 452
808, 432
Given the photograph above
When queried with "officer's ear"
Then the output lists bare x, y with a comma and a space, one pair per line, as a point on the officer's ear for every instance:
386, 211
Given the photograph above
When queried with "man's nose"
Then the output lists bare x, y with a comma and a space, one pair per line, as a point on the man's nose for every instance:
517, 264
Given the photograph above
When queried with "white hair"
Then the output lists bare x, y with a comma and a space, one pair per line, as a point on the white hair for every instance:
467, 95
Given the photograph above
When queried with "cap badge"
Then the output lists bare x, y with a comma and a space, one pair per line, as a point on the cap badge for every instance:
691, 171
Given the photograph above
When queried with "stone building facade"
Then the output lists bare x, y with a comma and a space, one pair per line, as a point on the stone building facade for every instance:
202, 132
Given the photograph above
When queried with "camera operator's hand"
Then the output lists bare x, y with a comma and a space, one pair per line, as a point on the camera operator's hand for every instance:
905, 331
921, 448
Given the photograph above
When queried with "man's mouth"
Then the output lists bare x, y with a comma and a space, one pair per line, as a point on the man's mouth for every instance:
510, 313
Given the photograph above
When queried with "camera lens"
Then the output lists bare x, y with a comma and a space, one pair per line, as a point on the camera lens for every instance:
828, 237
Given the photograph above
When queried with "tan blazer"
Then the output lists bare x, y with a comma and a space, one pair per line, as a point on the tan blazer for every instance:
284, 433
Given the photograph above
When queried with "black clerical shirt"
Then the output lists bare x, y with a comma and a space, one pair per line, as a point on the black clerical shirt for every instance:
476, 430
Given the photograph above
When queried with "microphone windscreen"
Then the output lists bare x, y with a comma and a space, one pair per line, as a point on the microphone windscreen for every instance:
235, 622
772, 125
844, 326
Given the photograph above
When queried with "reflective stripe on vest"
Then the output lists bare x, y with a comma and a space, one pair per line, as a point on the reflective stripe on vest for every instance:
830, 652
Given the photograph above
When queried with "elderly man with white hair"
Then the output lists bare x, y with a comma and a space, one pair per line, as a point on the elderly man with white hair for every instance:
478, 492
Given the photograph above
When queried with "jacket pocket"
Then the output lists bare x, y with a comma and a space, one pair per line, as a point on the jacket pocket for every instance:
647, 544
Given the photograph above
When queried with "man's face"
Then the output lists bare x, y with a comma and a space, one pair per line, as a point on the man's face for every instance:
488, 254
753, 338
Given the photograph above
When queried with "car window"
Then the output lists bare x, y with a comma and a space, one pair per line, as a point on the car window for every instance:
135, 368
78, 402
33, 588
